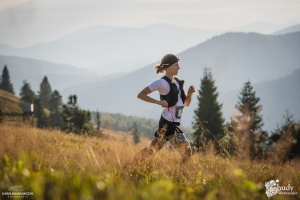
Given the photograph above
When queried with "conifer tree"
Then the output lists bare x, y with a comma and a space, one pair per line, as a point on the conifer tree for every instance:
208, 115
42, 120
249, 118
45, 92
55, 107
75, 119
136, 134
248, 124
26, 94
98, 118
5, 83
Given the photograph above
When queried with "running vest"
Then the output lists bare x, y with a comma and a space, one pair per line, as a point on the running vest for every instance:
172, 96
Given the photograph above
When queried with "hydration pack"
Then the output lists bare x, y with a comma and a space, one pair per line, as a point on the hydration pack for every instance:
172, 96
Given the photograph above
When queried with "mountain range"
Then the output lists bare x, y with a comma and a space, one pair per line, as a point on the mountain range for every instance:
234, 58
60, 76
24, 35
266, 60
107, 50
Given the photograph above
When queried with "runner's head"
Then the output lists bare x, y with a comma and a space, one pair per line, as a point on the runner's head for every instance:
169, 62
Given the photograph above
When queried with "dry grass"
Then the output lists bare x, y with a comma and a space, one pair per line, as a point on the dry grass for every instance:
205, 176
10, 104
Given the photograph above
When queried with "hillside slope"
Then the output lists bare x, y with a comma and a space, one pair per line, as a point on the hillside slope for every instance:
60, 76
10, 104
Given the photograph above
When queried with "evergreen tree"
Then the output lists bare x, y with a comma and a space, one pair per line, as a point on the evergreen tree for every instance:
42, 120
75, 119
45, 92
26, 94
250, 118
136, 134
208, 116
5, 83
247, 125
98, 117
55, 107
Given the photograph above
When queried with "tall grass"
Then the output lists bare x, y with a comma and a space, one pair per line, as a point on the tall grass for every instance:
55, 165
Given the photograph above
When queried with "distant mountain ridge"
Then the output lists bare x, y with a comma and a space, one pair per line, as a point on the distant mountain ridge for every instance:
87, 31
292, 29
234, 59
98, 48
25, 37
259, 27
60, 76
108, 49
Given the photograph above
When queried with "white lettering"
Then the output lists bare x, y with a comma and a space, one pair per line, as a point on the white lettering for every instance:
6, 193
272, 189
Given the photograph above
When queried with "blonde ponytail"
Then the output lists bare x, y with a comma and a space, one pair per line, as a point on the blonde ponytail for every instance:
159, 69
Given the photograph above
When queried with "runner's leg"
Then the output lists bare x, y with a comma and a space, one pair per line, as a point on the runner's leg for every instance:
181, 144
156, 145
185, 151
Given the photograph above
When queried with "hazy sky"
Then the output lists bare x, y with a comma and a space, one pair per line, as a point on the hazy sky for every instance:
44, 20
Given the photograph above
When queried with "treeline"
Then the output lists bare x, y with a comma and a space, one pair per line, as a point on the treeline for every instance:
48, 108
243, 136
51, 112
145, 127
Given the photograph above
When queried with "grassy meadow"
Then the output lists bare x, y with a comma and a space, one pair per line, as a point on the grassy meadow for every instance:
55, 165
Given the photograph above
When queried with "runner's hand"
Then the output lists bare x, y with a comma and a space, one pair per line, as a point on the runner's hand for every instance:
191, 89
163, 103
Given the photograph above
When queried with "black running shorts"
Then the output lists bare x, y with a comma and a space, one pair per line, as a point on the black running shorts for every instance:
167, 128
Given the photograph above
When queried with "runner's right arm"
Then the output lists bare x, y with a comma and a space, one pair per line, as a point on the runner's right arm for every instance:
143, 95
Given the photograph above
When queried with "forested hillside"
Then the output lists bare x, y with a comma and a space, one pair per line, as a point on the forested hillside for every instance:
145, 126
